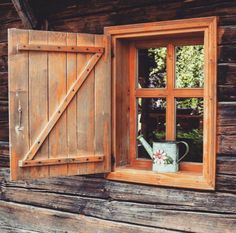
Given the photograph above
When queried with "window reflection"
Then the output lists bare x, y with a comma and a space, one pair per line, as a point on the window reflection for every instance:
151, 122
152, 68
189, 126
189, 66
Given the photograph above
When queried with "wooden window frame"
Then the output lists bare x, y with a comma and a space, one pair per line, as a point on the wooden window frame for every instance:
191, 175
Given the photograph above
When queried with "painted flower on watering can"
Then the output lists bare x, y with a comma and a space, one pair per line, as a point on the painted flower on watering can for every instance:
160, 157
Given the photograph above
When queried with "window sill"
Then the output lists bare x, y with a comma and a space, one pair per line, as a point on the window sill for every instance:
181, 179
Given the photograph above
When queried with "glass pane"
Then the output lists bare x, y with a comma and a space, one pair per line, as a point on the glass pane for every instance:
151, 122
189, 66
189, 127
152, 68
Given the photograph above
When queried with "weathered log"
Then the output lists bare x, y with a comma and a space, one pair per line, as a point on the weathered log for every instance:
4, 154
226, 144
3, 86
226, 82
3, 63
226, 113
3, 57
155, 215
224, 9
226, 165
227, 35
226, 183
43, 220
71, 8
4, 129
226, 74
88, 19
13, 24
7, 229
227, 53
103, 189
227, 92
25, 13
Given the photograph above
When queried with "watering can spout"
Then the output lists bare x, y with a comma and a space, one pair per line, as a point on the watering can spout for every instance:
145, 144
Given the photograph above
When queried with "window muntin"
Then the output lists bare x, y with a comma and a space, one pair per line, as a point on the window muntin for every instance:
177, 113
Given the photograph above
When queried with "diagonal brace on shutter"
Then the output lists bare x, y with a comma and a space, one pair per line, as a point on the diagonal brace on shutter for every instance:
62, 107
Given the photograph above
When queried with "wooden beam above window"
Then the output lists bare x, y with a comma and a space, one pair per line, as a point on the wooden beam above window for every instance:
25, 13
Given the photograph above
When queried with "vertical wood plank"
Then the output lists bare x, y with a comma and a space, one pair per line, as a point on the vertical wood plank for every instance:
38, 98
209, 132
103, 106
71, 111
85, 107
57, 90
133, 105
170, 109
123, 102
18, 88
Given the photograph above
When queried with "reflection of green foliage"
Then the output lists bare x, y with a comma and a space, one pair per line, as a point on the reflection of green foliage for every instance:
193, 103
157, 71
189, 66
188, 69
195, 134
159, 55
159, 135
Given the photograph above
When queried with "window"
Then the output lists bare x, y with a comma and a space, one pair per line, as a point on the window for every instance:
163, 87
164, 84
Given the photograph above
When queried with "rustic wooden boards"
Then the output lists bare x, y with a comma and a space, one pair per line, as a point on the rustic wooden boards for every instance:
141, 205
14, 218
49, 80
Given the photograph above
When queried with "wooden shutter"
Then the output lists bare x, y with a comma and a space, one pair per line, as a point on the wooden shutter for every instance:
60, 97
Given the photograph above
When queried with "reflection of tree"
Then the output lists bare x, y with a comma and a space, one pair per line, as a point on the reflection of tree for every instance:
152, 68
189, 66
153, 113
189, 73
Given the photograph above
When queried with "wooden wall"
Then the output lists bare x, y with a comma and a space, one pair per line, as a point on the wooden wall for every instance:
98, 205
8, 19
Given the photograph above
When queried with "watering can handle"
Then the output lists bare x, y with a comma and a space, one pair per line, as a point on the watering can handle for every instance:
186, 152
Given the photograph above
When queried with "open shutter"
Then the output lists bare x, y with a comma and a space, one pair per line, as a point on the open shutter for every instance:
60, 103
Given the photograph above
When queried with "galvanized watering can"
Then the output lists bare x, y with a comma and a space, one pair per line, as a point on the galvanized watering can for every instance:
165, 155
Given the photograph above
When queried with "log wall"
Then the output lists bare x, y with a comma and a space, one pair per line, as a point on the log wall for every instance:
93, 204
8, 19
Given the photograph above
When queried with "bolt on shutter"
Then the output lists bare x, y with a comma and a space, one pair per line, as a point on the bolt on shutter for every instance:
60, 103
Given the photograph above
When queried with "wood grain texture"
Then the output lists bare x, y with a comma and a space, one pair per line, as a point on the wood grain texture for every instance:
38, 97
19, 91
102, 111
72, 110
85, 106
62, 106
120, 103
57, 90
226, 165
81, 17
119, 13
140, 204
14, 216
140, 214
59, 128
62, 48
142, 32
100, 188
